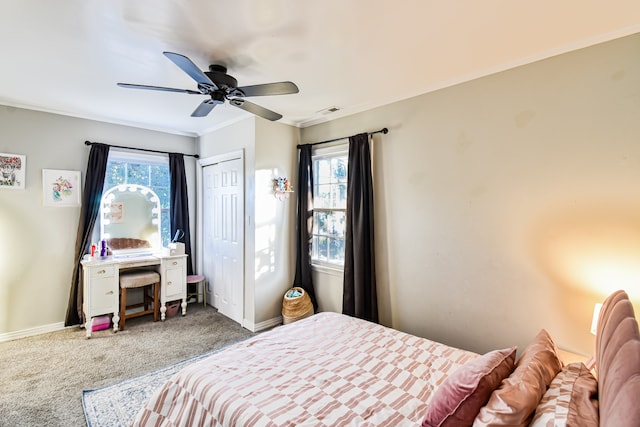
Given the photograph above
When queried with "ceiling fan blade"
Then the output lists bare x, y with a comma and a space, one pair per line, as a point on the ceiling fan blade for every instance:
255, 109
280, 88
204, 108
190, 68
164, 89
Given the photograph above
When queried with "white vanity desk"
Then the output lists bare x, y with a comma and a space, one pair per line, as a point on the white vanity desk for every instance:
101, 284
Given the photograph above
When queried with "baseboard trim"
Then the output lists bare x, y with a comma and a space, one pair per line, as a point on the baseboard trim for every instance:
24, 333
257, 327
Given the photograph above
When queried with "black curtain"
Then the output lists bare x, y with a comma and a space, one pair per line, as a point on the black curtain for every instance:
93, 185
304, 226
359, 294
179, 204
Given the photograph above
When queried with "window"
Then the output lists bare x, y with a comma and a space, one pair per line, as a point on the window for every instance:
329, 205
143, 169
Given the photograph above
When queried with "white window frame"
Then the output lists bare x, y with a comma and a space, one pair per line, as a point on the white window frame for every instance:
119, 155
132, 157
327, 152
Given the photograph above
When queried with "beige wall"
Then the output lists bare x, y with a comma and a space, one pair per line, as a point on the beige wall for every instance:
276, 155
269, 151
509, 203
229, 139
37, 243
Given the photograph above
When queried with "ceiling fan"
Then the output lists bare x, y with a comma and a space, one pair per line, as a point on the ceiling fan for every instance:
221, 87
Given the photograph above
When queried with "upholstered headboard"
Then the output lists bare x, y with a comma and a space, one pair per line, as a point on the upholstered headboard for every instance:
118, 243
618, 363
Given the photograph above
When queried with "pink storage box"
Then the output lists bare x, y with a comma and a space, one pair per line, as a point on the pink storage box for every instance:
172, 308
100, 323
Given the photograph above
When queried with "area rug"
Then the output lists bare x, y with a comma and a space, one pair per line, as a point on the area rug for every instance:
117, 405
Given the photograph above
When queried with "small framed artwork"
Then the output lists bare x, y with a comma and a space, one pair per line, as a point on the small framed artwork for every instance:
12, 171
117, 212
60, 188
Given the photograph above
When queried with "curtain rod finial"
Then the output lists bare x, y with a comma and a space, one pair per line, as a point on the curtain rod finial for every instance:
87, 143
385, 131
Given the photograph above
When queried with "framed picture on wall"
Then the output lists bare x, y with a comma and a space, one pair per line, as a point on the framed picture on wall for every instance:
60, 187
12, 171
117, 212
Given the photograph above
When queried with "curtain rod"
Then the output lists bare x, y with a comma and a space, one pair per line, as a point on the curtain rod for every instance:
383, 130
141, 149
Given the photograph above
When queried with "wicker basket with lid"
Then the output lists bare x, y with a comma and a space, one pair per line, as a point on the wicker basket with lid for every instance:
296, 305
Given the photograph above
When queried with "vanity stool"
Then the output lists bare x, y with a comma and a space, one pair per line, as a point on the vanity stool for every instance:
150, 281
197, 279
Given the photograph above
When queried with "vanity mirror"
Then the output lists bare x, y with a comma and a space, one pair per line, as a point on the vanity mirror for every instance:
130, 219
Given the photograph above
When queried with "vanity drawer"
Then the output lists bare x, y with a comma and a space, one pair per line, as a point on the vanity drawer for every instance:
175, 263
104, 297
102, 271
175, 283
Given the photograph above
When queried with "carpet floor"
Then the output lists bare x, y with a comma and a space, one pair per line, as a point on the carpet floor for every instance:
45, 375
117, 405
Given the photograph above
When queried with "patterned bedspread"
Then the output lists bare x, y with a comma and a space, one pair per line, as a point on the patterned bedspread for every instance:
325, 370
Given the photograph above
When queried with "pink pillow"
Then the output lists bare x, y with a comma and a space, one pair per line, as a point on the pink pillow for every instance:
571, 399
512, 404
459, 399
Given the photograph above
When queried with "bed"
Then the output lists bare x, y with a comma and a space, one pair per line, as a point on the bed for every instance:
335, 370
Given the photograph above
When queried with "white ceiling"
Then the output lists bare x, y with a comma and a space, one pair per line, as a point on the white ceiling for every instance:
66, 56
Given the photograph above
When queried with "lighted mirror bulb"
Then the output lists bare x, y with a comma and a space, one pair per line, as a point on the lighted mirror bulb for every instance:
132, 188
155, 210
144, 191
106, 221
594, 319
122, 188
106, 209
155, 238
154, 221
154, 199
110, 197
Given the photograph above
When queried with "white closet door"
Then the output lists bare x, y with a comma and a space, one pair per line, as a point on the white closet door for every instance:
223, 213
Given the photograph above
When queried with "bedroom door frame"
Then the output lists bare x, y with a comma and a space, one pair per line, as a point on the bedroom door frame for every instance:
201, 164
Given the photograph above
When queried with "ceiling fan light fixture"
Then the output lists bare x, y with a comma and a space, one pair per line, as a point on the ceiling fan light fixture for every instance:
205, 88
222, 87
237, 93
217, 97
